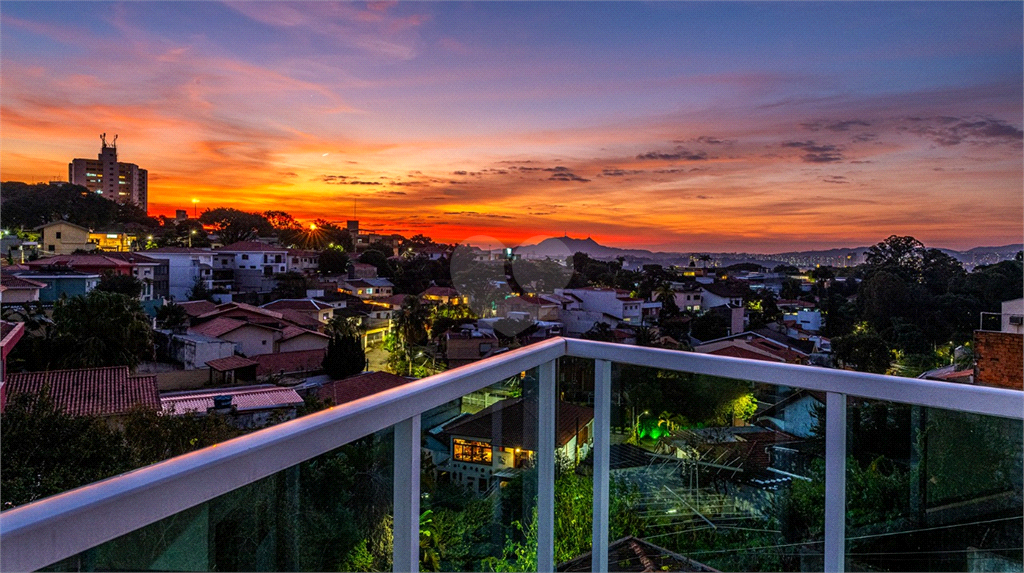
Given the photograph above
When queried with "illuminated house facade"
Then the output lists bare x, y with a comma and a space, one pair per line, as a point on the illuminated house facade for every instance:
498, 441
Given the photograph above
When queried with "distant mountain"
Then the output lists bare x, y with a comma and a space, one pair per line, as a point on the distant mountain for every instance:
564, 246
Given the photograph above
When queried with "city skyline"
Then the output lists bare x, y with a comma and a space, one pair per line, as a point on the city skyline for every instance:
664, 126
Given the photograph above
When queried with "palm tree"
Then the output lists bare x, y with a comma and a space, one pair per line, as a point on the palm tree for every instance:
101, 329
412, 325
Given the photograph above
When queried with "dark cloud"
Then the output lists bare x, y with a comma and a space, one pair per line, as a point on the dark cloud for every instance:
837, 179
616, 172
835, 125
949, 131
363, 182
816, 153
705, 197
477, 214
678, 155
565, 176
391, 193
459, 173
333, 179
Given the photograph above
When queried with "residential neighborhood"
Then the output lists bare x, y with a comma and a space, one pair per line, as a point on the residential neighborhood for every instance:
261, 331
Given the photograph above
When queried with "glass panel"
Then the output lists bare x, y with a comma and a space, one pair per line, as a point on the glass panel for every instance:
479, 481
574, 484
331, 513
713, 471
932, 489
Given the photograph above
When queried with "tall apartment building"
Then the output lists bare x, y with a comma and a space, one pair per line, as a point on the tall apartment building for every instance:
106, 176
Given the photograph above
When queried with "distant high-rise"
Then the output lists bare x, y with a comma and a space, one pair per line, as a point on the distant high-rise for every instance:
105, 176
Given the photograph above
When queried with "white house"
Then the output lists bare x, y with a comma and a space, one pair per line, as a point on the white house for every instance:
184, 266
613, 302
1013, 316
253, 264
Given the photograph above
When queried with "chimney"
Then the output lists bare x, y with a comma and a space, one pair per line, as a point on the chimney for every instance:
221, 405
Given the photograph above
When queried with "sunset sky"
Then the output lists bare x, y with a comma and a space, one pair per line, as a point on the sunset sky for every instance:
759, 127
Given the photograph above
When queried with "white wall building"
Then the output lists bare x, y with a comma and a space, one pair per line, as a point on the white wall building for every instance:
184, 266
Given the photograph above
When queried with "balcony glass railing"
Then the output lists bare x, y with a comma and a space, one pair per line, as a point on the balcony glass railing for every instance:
579, 455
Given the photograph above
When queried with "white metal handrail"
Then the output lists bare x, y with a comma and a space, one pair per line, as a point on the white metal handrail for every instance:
53, 529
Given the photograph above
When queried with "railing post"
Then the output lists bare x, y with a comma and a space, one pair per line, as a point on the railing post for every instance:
602, 467
548, 398
406, 551
835, 482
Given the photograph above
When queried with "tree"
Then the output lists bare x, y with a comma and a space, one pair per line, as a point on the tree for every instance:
199, 291
345, 355
333, 261
121, 284
865, 351
667, 297
171, 316
46, 451
233, 225
709, 326
101, 329
902, 255
291, 284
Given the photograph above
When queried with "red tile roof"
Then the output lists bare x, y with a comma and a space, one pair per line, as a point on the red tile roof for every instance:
290, 332
242, 307
290, 362
740, 352
244, 398
133, 257
230, 363
90, 391
518, 423
87, 261
356, 387
301, 319
218, 326
196, 308
13, 282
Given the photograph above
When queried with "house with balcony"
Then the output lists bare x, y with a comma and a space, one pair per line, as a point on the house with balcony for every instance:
251, 265
303, 261
185, 265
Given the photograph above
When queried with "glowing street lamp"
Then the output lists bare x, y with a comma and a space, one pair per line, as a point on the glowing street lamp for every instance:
195, 208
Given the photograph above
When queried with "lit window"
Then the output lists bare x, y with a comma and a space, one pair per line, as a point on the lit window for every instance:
473, 452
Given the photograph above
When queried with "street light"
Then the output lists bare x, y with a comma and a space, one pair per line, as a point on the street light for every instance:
195, 208
190, 238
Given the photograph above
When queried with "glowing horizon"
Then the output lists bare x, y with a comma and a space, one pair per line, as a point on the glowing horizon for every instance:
664, 126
